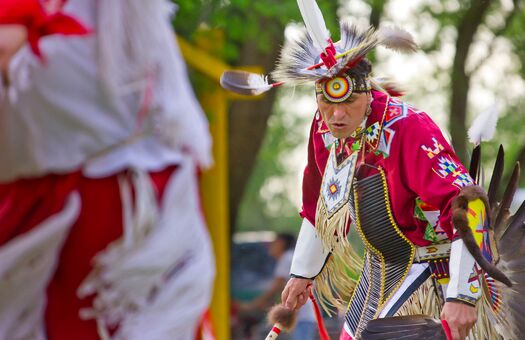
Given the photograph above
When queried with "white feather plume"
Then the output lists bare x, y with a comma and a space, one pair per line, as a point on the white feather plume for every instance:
259, 83
314, 21
484, 126
397, 39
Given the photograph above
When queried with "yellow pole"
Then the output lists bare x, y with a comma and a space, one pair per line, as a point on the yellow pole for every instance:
215, 181
215, 196
215, 203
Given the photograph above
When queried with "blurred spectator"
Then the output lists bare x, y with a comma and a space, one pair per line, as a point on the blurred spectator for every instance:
281, 249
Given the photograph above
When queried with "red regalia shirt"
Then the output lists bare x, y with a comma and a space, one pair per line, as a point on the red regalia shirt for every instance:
423, 174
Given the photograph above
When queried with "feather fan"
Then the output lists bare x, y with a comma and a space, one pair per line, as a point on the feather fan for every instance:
409, 327
507, 240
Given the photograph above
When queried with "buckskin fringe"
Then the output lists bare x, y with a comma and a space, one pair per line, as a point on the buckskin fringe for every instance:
336, 282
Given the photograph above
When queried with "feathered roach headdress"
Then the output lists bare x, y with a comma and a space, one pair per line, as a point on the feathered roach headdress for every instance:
313, 57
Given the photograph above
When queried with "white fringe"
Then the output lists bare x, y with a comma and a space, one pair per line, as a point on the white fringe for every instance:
27, 263
155, 282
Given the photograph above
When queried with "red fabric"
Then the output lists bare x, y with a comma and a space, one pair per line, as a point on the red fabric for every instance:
410, 171
26, 203
344, 335
328, 56
323, 333
205, 329
32, 15
446, 328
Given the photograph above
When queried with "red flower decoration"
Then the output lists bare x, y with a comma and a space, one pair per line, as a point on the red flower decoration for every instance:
38, 23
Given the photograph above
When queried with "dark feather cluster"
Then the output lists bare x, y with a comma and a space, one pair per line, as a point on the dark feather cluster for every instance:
509, 237
460, 220
507, 241
410, 327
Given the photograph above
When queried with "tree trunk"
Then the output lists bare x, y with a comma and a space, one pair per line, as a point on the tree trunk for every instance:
248, 121
377, 12
460, 80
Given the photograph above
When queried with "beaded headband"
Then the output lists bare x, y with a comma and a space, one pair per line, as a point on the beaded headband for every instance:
340, 88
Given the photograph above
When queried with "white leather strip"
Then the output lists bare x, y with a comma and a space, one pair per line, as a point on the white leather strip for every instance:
463, 268
309, 255
415, 271
347, 330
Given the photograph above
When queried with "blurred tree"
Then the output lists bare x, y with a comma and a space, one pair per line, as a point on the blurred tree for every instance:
253, 35
467, 21
514, 120
266, 203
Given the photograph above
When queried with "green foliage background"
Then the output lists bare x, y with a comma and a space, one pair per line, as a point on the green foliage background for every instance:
240, 20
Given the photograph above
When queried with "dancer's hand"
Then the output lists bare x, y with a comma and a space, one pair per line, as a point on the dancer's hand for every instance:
12, 37
460, 318
296, 293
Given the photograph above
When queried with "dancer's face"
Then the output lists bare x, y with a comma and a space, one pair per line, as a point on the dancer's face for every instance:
343, 118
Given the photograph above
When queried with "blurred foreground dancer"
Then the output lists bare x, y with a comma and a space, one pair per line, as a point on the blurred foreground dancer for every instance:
383, 168
101, 139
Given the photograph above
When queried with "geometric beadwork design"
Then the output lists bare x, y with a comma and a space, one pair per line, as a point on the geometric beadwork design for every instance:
434, 150
372, 132
337, 181
447, 167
